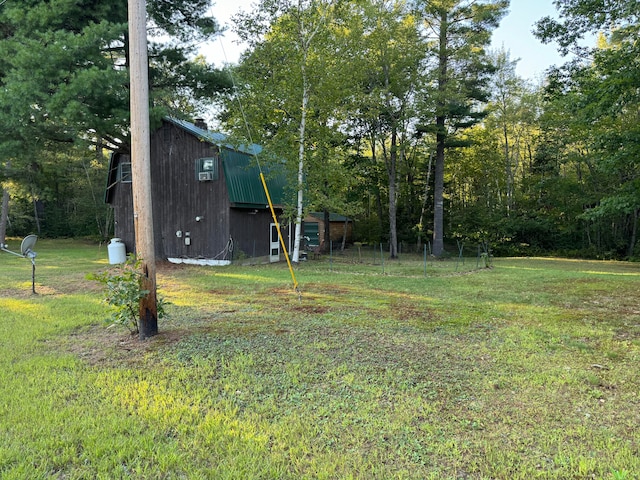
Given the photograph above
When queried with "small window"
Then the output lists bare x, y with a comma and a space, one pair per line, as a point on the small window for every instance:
207, 169
124, 173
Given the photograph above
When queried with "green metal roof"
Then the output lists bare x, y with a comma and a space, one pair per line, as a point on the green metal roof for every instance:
241, 171
216, 138
242, 176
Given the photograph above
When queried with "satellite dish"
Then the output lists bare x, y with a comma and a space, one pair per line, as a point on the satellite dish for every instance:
26, 251
26, 247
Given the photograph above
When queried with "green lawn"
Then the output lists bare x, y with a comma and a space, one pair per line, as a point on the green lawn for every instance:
525, 370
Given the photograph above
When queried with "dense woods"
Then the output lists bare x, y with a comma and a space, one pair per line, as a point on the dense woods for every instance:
64, 102
394, 113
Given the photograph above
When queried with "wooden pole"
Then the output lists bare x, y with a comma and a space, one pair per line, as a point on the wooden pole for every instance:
141, 164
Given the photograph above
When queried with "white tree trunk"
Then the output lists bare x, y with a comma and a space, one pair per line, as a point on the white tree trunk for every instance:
301, 139
303, 121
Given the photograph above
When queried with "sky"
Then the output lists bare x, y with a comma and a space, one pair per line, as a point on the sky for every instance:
514, 34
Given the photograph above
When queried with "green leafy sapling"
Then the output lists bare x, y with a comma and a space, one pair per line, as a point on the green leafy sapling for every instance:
123, 293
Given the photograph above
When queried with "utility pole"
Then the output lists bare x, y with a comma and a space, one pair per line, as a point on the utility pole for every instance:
141, 164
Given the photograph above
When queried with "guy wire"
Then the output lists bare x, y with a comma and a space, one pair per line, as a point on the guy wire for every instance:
296, 285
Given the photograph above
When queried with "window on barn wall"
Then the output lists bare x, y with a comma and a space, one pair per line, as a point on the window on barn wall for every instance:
124, 172
207, 169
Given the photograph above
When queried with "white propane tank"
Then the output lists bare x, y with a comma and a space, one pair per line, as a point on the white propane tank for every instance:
117, 251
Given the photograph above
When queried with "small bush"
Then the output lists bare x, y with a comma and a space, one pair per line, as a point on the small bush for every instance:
123, 293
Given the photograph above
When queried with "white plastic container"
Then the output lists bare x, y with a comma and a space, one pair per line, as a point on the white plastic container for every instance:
117, 251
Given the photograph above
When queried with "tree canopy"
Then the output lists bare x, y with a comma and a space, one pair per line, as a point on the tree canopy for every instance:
393, 113
64, 81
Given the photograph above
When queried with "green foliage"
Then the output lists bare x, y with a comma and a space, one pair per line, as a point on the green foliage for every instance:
123, 293
619, 474
591, 117
581, 17
64, 84
67, 192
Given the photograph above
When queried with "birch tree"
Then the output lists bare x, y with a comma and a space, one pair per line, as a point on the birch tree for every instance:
282, 82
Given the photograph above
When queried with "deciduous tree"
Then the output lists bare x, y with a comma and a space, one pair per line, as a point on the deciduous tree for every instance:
604, 88
285, 84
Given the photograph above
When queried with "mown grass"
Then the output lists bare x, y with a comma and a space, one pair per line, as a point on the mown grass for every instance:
526, 370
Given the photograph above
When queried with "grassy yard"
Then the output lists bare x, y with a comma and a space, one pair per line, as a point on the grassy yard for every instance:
525, 370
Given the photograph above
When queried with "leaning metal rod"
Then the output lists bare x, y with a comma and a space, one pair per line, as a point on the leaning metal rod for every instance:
12, 253
275, 220
264, 185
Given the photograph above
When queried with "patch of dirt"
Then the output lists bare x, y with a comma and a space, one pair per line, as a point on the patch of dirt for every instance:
222, 291
98, 345
66, 288
15, 293
411, 312
312, 290
325, 289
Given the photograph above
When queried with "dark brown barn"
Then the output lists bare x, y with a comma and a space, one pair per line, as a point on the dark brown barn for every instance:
209, 205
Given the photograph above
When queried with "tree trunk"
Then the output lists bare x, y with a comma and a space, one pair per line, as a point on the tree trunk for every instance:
438, 197
36, 217
301, 147
508, 169
634, 233
441, 137
4, 216
391, 170
344, 234
325, 245
424, 202
301, 140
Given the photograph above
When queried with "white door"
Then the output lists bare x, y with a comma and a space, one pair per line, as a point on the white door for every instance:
274, 244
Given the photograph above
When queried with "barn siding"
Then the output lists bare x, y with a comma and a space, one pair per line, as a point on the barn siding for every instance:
123, 214
179, 197
250, 231
182, 203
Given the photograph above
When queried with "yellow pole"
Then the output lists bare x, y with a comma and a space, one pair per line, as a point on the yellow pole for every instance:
275, 220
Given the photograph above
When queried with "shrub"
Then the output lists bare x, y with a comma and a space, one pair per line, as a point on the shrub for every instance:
123, 292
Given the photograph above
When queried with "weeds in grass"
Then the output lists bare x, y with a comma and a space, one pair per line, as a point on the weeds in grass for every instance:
619, 474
